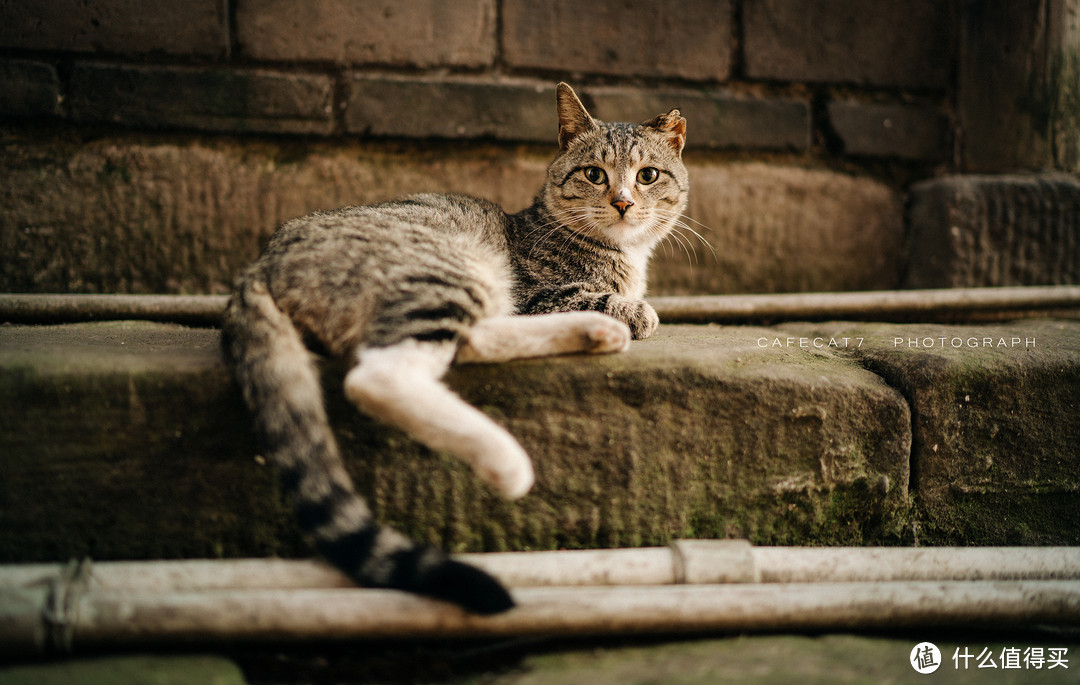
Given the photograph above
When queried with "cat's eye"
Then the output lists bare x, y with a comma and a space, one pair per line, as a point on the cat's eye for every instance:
648, 175
594, 174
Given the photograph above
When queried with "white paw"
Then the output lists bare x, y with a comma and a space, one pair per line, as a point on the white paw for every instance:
607, 335
510, 471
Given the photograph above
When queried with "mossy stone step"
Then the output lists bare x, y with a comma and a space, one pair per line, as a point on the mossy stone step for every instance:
129, 440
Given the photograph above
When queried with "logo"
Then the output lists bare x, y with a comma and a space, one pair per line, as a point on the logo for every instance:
925, 657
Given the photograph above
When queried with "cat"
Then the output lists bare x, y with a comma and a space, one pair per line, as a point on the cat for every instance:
404, 288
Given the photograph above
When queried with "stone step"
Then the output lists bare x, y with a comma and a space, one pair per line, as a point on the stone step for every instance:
128, 439
750, 659
162, 215
168, 216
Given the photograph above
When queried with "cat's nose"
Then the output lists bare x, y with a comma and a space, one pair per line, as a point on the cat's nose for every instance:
623, 201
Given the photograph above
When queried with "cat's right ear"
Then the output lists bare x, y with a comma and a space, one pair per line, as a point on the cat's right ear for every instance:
673, 127
574, 119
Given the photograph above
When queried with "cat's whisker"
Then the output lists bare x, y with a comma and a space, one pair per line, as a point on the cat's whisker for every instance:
681, 215
700, 237
668, 251
674, 235
677, 220
574, 220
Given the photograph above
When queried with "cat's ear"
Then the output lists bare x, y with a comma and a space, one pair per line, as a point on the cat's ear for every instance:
672, 126
574, 119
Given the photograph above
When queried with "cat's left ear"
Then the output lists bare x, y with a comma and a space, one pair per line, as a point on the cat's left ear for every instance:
574, 119
672, 126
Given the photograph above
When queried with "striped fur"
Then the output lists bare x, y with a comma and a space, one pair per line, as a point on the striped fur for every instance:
404, 288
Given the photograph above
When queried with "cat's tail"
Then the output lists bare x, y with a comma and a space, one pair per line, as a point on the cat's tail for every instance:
281, 387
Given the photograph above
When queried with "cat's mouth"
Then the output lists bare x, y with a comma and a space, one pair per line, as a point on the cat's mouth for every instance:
626, 230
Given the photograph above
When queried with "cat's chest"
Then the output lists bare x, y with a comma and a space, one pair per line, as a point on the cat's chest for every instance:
614, 272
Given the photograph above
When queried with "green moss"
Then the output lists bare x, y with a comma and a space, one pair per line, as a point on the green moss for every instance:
1000, 518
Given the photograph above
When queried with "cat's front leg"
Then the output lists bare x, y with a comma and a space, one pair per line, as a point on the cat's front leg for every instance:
503, 338
637, 314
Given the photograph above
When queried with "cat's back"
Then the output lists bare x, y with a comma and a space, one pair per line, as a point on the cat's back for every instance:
345, 276
462, 220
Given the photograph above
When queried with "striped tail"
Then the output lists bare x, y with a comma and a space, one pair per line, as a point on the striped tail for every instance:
282, 390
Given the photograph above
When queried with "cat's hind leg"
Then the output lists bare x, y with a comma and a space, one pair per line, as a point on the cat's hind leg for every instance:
401, 385
504, 338
281, 385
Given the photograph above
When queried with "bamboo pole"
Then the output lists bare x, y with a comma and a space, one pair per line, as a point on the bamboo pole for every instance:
187, 575
952, 304
691, 586
139, 620
683, 562
887, 564
191, 310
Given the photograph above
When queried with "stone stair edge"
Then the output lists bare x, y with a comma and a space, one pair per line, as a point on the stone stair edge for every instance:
875, 366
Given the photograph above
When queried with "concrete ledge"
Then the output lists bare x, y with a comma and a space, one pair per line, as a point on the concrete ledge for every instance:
994, 424
127, 440
768, 659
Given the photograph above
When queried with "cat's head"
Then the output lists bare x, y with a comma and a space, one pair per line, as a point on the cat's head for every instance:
622, 183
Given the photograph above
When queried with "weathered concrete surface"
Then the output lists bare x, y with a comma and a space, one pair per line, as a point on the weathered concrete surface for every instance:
133, 445
994, 230
237, 100
124, 440
116, 27
995, 431
780, 54
128, 670
780, 659
836, 659
168, 215
887, 130
521, 110
464, 108
182, 216
417, 34
782, 229
840, 42
720, 118
636, 38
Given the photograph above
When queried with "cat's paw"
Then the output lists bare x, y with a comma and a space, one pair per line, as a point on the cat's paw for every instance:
637, 314
512, 482
604, 334
506, 467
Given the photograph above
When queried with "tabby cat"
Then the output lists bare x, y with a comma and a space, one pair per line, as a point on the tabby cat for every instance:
403, 289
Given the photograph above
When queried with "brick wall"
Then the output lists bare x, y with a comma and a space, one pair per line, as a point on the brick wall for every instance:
151, 147
820, 78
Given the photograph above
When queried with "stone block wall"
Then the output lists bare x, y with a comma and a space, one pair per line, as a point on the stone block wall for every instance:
770, 75
809, 122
